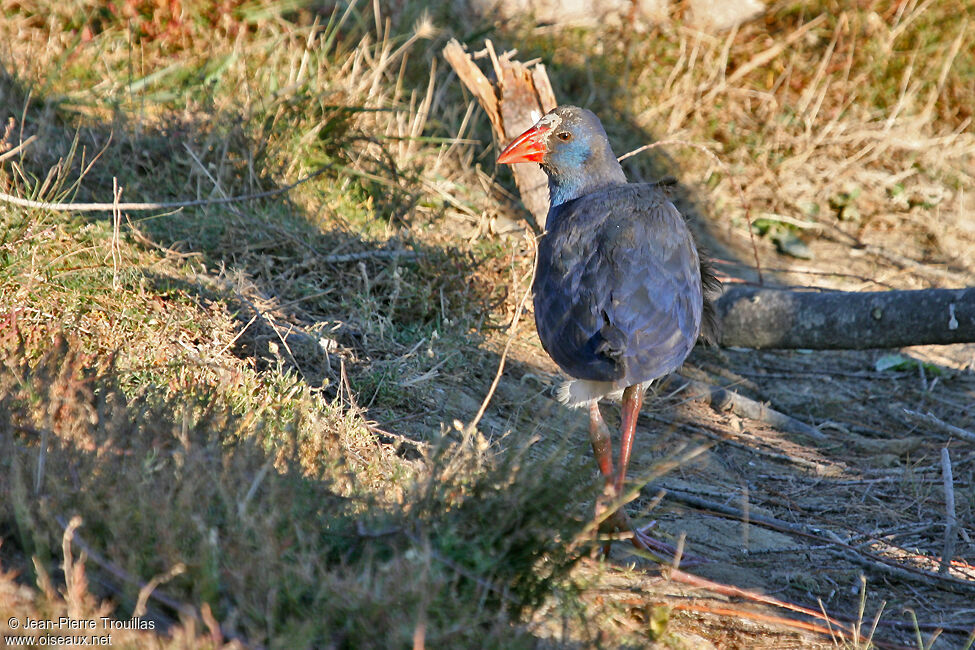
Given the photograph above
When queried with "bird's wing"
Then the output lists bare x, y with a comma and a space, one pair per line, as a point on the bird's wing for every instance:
618, 286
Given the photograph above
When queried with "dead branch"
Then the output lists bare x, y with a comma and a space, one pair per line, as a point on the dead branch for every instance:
120, 574
171, 205
518, 95
731, 591
950, 519
722, 399
839, 626
930, 418
871, 561
739, 613
16, 150
839, 320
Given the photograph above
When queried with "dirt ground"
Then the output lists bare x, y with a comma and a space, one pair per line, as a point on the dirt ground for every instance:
851, 522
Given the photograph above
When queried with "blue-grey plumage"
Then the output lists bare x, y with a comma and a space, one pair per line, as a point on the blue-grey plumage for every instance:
621, 295
618, 291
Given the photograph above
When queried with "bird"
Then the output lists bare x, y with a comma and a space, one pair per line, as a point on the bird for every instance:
621, 293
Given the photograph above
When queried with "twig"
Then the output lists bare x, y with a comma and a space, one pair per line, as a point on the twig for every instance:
921, 469
133, 207
930, 418
755, 616
388, 437
237, 335
67, 565
724, 437
116, 231
142, 239
507, 346
772, 372
730, 591
125, 576
258, 479
730, 511
146, 591
935, 274
722, 399
367, 255
20, 147
120, 573
866, 559
289, 331
950, 519
737, 592
41, 459
807, 271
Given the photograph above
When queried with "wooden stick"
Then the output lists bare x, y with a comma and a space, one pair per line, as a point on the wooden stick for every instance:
930, 418
737, 592
184, 609
135, 207
518, 95
871, 561
950, 519
735, 612
20, 147
722, 399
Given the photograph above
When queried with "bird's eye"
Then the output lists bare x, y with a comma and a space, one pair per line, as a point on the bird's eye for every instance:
564, 136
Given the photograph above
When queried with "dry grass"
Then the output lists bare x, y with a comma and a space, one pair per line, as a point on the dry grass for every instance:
274, 514
843, 122
262, 406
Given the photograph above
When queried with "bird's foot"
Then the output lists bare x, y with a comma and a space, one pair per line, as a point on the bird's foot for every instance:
619, 522
645, 542
611, 525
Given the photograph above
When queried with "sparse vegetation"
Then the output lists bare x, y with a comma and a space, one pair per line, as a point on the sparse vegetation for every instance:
261, 407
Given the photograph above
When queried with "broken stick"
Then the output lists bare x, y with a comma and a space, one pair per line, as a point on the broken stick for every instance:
518, 95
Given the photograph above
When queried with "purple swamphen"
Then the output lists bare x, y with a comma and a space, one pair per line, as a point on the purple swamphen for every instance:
621, 294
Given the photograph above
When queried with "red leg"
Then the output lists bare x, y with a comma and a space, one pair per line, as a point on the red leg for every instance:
632, 403
602, 449
602, 445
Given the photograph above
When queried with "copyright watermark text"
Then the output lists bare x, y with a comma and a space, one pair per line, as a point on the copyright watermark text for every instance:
67, 631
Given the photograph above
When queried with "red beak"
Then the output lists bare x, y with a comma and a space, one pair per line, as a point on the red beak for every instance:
528, 147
